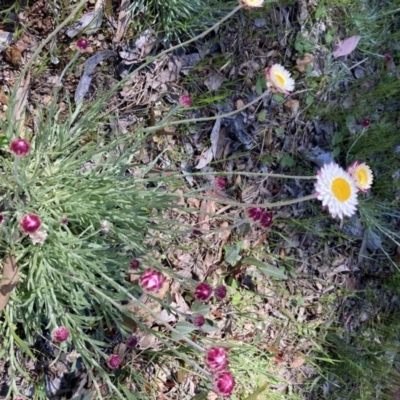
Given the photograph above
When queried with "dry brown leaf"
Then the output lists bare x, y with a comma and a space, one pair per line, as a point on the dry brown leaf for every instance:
304, 62
22, 96
292, 107
205, 158
3, 98
123, 21
298, 362
9, 280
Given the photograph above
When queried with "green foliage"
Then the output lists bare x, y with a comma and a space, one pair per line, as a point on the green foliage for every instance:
175, 17
76, 278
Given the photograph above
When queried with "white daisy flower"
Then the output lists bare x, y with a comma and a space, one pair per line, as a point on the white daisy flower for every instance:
362, 175
278, 79
337, 190
251, 3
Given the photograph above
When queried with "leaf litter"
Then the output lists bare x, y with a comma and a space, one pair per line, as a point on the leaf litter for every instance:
247, 146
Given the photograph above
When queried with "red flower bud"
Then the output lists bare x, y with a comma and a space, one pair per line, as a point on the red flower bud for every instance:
254, 213
224, 383
203, 291
199, 320
266, 219
82, 44
217, 359
366, 123
135, 264
185, 100
114, 361
220, 183
151, 280
30, 223
20, 147
132, 341
60, 334
220, 292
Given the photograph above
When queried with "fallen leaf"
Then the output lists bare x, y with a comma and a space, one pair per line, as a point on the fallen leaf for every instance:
215, 142
13, 55
304, 62
5, 39
292, 107
205, 158
347, 46
213, 81
123, 21
91, 19
298, 362
22, 96
9, 280
86, 78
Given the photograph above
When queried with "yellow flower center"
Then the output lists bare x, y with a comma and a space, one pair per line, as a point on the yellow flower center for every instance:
341, 189
362, 176
280, 78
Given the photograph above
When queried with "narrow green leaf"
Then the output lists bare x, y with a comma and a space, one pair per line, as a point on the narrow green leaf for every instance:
85, 396
266, 269
183, 328
257, 392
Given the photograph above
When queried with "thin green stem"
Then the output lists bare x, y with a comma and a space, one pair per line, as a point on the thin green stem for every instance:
192, 120
263, 205
354, 143
73, 59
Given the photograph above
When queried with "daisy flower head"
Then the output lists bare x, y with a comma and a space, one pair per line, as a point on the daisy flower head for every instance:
337, 190
251, 3
362, 175
279, 79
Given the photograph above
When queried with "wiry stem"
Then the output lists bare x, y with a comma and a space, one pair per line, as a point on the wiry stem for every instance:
263, 205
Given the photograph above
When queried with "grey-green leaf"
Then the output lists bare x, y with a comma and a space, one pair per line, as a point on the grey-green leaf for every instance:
266, 269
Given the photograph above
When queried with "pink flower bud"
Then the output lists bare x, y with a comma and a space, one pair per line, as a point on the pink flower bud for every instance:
60, 334
220, 183
223, 384
151, 280
20, 147
19, 398
114, 361
132, 341
266, 219
220, 292
217, 359
203, 291
82, 44
185, 101
30, 223
199, 320
366, 123
135, 264
387, 56
254, 213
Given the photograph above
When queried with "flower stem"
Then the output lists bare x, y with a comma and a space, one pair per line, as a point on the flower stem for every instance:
354, 143
263, 205
192, 120
73, 59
